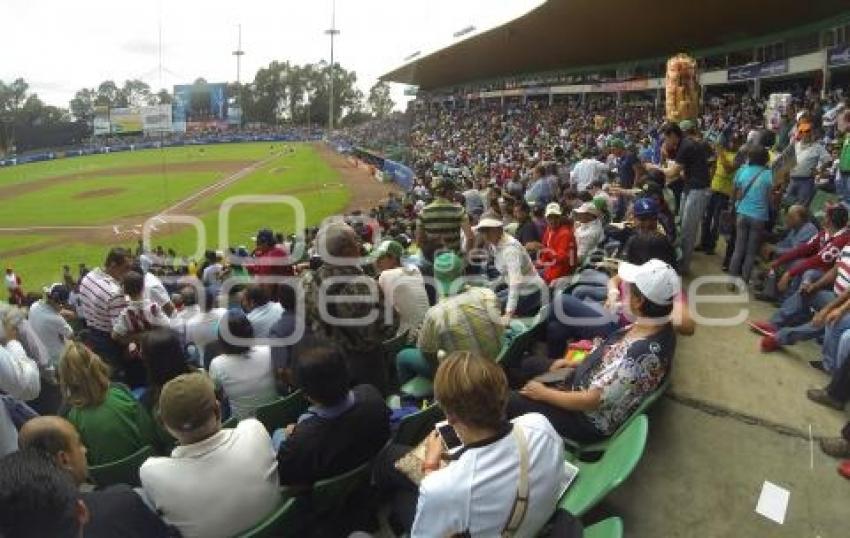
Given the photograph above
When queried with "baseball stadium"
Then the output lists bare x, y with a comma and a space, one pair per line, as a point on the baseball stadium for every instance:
582, 269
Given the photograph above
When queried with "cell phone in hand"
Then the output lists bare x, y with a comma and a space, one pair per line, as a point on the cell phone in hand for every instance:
451, 441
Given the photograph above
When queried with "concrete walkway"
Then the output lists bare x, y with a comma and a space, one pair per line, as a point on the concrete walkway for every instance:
735, 417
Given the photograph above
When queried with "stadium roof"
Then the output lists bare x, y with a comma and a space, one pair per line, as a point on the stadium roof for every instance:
564, 34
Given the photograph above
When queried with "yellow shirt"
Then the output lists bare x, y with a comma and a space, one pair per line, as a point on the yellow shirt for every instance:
722, 180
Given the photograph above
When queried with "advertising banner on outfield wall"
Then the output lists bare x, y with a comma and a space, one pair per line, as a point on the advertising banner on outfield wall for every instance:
838, 56
156, 119
116, 121
751, 71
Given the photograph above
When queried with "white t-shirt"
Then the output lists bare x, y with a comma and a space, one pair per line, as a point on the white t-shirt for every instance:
404, 289
218, 487
263, 317
138, 317
586, 171
246, 379
51, 328
475, 493
202, 329
212, 274
11, 282
155, 291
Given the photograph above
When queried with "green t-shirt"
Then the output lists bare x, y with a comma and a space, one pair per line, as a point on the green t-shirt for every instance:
115, 429
844, 158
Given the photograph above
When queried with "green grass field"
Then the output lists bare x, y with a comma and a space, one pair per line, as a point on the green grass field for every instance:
141, 184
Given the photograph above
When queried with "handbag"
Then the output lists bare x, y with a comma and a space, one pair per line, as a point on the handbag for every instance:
728, 216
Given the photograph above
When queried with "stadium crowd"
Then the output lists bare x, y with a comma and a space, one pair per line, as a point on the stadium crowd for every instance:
247, 379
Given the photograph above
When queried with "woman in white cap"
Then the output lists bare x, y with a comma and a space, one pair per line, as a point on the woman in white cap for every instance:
596, 398
522, 294
589, 230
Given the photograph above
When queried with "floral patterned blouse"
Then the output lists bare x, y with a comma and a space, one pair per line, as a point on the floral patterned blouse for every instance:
626, 371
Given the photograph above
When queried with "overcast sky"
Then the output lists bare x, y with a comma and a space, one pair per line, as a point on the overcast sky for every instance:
60, 46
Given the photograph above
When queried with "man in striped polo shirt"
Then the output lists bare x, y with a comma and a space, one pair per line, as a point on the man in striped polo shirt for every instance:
439, 226
103, 301
794, 321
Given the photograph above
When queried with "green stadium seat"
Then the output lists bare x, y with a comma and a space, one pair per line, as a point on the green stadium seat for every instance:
230, 423
330, 496
282, 412
282, 523
607, 528
123, 471
597, 479
413, 428
602, 446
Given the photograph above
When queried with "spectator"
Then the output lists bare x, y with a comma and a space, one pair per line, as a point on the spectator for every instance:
262, 312
19, 379
721, 193
628, 165
558, 257
811, 156
476, 493
344, 428
589, 230
521, 285
526, 231
243, 371
201, 330
217, 482
46, 320
164, 359
799, 229
360, 327
441, 222
403, 288
156, 293
112, 424
690, 162
38, 499
140, 314
810, 260
606, 388
113, 511
753, 186
14, 288
103, 301
587, 171
465, 319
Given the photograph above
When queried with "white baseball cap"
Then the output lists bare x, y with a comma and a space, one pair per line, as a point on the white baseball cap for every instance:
656, 280
489, 221
553, 208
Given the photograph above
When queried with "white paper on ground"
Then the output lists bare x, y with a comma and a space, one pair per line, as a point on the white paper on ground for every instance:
773, 502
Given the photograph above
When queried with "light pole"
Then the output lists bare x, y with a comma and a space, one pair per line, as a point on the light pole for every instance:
239, 53
332, 31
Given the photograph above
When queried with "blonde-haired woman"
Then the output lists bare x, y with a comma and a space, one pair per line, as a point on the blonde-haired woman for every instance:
111, 423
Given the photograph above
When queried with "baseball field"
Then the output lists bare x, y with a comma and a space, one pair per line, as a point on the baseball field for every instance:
70, 211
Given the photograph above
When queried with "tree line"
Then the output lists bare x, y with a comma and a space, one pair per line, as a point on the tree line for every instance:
281, 93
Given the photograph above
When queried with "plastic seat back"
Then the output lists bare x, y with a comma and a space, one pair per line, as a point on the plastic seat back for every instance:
282, 412
123, 471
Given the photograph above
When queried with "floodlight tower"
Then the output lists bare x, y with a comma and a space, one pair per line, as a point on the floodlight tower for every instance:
239, 53
332, 31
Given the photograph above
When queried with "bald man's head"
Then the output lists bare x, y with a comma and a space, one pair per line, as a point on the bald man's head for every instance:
59, 439
797, 215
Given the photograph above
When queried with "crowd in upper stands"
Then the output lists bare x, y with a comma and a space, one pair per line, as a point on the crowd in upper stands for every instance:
245, 379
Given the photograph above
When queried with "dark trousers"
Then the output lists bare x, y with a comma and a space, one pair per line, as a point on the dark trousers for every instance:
571, 319
711, 221
396, 486
839, 385
131, 373
573, 425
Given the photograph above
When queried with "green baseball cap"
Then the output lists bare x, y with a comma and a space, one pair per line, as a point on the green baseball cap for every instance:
687, 125
616, 143
448, 266
389, 248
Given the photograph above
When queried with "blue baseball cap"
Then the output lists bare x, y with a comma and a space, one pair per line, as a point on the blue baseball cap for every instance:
646, 207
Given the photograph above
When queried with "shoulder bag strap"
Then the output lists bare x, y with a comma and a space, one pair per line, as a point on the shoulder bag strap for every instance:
520, 506
750, 184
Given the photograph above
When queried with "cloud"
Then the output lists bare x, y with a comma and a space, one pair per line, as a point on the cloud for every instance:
140, 46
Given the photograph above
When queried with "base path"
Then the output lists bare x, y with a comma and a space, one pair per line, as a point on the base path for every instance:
366, 192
